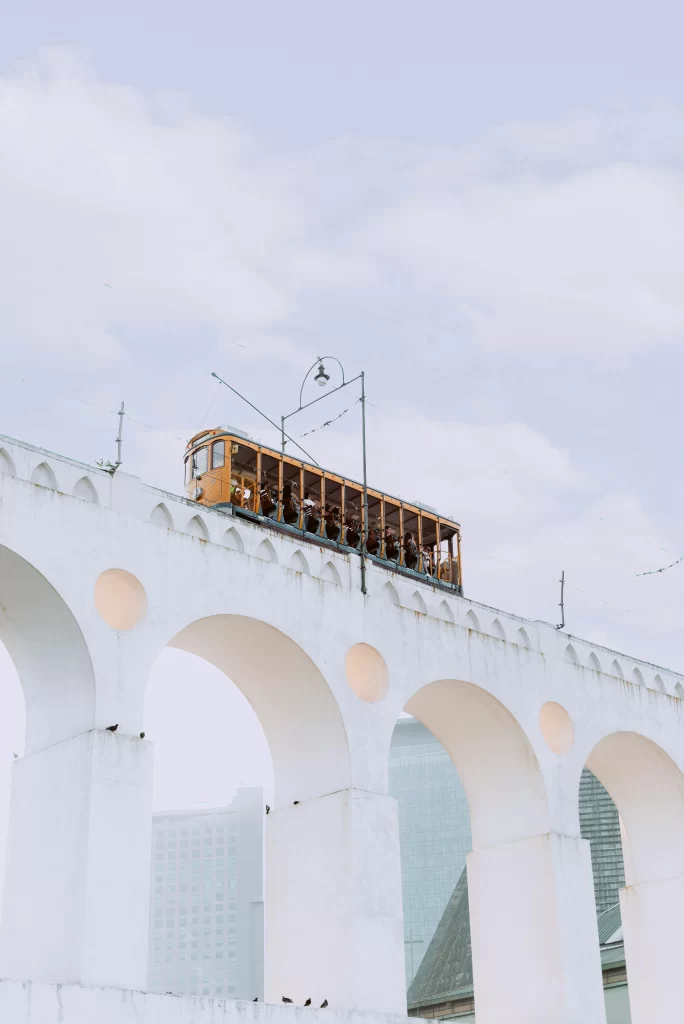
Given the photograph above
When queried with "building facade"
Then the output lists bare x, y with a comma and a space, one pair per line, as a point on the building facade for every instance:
206, 900
434, 832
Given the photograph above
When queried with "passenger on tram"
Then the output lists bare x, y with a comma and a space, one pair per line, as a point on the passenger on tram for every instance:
427, 560
333, 522
410, 551
352, 532
391, 545
374, 540
290, 505
311, 514
269, 506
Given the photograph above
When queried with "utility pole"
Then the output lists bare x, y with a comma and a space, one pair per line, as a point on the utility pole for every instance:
561, 624
119, 438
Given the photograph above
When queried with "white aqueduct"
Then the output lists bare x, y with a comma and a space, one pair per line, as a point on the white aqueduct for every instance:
98, 574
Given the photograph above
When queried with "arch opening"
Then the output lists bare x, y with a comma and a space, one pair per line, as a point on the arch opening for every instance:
283, 704
493, 758
48, 651
466, 778
644, 791
293, 702
213, 779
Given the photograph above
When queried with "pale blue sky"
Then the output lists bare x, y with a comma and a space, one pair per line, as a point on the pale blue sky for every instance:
480, 204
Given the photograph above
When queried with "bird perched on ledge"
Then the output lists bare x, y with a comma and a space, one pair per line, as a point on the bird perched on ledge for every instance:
112, 728
286, 1000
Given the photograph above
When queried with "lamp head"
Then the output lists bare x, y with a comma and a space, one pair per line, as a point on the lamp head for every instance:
321, 377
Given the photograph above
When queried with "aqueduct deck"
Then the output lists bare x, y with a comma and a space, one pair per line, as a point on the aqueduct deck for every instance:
99, 573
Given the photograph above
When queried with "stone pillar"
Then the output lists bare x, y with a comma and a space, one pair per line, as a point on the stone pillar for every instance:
651, 919
534, 934
76, 893
334, 927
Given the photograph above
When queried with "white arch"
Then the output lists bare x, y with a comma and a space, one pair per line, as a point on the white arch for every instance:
49, 652
679, 690
493, 757
389, 593
498, 630
266, 551
418, 604
472, 621
330, 574
299, 563
658, 683
571, 655
594, 663
648, 789
161, 516
522, 638
638, 678
300, 716
85, 490
445, 612
6, 463
44, 476
197, 528
616, 669
233, 540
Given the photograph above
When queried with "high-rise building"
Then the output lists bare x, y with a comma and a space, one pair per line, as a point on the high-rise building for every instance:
600, 824
434, 830
206, 902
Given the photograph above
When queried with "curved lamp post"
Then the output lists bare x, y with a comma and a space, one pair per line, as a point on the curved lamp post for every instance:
322, 378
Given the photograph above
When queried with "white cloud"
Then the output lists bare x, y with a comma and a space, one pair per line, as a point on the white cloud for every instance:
129, 221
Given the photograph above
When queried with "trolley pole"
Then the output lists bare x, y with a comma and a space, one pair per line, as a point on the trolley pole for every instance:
282, 434
365, 484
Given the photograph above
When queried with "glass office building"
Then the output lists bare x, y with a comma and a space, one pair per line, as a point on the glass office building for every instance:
206, 900
434, 829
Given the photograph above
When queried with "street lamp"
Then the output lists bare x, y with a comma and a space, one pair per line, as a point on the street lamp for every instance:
322, 379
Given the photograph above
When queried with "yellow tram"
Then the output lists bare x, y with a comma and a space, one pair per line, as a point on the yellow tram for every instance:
225, 468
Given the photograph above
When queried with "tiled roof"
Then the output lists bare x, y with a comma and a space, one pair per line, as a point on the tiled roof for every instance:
447, 967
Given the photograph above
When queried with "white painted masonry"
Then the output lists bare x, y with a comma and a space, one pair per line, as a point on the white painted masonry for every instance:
31, 1003
279, 618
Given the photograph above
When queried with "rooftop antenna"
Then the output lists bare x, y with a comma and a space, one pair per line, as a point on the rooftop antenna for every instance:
119, 438
561, 605
111, 467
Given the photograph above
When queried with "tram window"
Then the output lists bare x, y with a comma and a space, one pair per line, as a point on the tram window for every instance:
269, 486
392, 536
429, 530
374, 535
188, 469
333, 509
200, 461
312, 501
218, 455
410, 547
353, 503
290, 495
